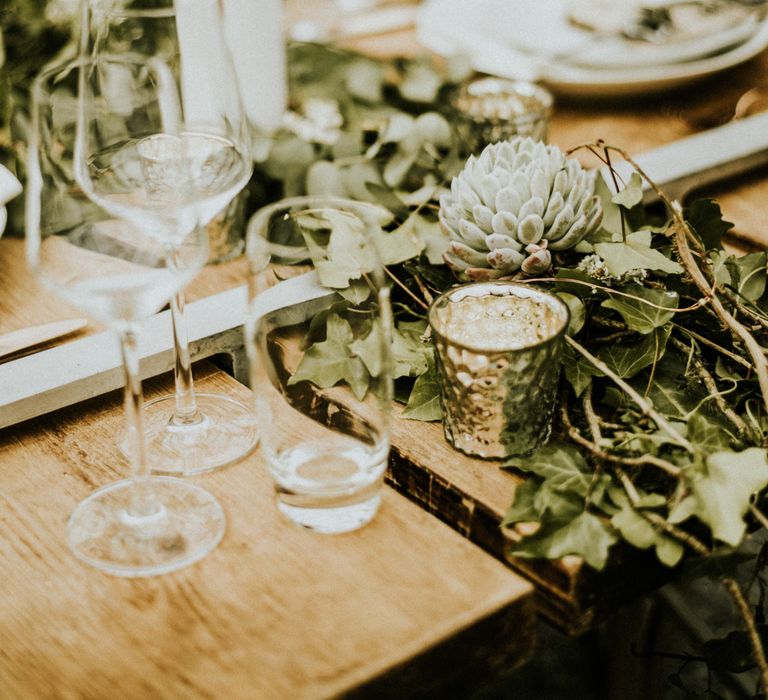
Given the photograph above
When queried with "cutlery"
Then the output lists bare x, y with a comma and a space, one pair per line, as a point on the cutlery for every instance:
25, 338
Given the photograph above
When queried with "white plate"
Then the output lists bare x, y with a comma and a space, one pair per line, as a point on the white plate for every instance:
489, 33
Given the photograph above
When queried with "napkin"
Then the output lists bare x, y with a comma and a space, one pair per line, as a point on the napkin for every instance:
10, 187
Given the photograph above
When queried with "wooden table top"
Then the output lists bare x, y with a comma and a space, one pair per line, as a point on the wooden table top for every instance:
273, 612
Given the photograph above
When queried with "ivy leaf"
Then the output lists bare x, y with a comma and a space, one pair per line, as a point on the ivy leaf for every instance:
706, 434
424, 402
635, 254
410, 355
641, 316
523, 508
732, 653
349, 254
705, 217
577, 370
357, 292
722, 485
748, 274
636, 530
435, 240
628, 360
327, 363
369, 350
562, 465
563, 283
401, 244
578, 312
632, 194
586, 536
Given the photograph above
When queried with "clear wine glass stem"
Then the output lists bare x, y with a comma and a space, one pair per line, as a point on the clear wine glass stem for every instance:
185, 412
143, 502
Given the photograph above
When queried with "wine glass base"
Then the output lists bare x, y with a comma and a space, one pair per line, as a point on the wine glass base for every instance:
225, 433
188, 523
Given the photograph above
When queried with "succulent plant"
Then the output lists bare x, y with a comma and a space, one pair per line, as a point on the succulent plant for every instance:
510, 207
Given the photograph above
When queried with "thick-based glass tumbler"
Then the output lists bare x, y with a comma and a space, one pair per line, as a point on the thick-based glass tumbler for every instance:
319, 346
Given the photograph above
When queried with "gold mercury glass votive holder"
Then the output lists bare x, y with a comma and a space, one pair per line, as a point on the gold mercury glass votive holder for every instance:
497, 350
488, 110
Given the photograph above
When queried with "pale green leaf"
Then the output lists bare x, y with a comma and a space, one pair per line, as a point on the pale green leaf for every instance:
562, 465
749, 274
632, 194
628, 360
328, 363
586, 536
424, 401
578, 312
399, 245
620, 258
706, 434
523, 508
640, 311
722, 486
577, 370
364, 79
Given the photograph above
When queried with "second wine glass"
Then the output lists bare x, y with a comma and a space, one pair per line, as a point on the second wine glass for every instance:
189, 432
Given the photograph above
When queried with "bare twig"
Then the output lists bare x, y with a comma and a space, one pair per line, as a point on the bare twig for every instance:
599, 453
706, 341
714, 391
742, 606
642, 402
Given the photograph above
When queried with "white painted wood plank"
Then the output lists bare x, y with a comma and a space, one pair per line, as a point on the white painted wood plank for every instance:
61, 376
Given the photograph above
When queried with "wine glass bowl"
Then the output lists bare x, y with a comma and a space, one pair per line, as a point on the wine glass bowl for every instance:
119, 272
320, 369
189, 168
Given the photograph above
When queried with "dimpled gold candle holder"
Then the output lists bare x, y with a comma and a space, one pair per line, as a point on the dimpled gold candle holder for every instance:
488, 110
497, 349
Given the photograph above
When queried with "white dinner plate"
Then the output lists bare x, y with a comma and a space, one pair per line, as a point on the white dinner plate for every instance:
499, 39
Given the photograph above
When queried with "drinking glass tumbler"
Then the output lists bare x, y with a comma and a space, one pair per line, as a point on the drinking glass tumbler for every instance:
497, 351
320, 358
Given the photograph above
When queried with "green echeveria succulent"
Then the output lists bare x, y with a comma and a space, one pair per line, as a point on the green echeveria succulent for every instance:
512, 205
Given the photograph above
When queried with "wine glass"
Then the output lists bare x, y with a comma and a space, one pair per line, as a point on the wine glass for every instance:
189, 432
119, 270
319, 347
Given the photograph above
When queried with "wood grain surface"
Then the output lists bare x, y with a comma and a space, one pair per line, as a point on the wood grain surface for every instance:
403, 607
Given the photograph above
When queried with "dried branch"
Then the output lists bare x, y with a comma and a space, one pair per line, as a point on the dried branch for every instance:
641, 401
709, 382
